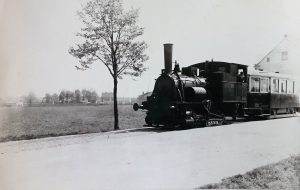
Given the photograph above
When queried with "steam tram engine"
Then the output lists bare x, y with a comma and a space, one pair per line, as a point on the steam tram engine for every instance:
205, 93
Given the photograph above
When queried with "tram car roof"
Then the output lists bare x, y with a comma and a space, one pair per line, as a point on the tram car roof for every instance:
255, 72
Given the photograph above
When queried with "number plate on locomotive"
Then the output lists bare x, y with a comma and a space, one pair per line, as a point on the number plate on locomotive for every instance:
214, 122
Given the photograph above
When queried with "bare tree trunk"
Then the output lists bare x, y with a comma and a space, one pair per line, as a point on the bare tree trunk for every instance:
116, 113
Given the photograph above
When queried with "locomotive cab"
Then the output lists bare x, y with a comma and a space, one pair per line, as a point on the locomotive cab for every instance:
227, 84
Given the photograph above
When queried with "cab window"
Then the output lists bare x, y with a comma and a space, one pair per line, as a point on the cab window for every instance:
275, 85
264, 85
222, 69
254, 84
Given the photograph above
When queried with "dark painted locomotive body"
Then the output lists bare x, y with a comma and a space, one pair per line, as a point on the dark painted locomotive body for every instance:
176, 100
204, 94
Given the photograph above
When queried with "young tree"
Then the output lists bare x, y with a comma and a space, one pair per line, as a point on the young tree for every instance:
78, 96
62, 96
87, 94
47, 98
55, 98
94, 97
110, 36
70, 96
30, 99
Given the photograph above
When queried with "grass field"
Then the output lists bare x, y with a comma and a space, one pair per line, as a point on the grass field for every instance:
282, 175
17, 123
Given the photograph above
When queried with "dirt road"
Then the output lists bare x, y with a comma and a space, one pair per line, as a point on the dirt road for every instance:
146, 159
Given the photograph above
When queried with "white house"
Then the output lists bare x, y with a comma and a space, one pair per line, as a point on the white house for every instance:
284, 58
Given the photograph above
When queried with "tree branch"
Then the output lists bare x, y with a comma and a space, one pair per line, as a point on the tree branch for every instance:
109, 69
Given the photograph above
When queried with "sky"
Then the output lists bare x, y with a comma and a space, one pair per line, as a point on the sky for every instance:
35, 36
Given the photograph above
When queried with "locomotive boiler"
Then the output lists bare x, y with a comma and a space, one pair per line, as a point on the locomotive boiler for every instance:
174, 96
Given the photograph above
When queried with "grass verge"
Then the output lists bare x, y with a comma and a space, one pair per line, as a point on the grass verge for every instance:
282, 175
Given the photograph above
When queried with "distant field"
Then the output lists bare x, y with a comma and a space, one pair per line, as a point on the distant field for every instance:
35, 122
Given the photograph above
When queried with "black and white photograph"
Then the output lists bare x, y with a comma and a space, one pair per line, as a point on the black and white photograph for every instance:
154, 95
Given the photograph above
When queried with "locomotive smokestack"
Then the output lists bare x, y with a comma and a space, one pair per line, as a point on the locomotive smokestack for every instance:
168, 49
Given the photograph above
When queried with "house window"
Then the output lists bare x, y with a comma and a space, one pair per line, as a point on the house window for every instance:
254, 84
275, 85
284, 56
264, 85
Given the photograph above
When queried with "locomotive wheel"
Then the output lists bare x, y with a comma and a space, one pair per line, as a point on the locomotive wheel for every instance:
291, 110
148, 121
275, 113
234, 117
202, 123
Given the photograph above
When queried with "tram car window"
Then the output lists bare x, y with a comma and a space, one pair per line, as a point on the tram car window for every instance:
254, 84
264, 85
290, 87
293, 86
275, 85
282, 86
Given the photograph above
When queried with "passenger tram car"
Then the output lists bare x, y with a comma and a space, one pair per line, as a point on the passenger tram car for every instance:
206, 93
271, 94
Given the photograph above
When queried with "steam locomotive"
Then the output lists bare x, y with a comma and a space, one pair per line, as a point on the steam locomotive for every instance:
204, 94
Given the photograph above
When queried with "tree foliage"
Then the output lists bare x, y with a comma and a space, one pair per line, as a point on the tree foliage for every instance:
110, 37
78, 97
